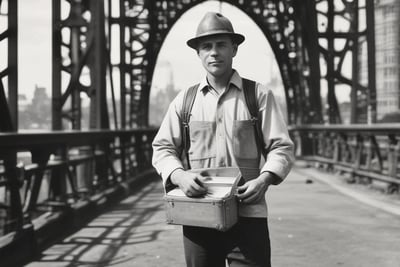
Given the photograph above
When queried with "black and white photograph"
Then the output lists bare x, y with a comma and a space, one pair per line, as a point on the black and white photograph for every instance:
200, 133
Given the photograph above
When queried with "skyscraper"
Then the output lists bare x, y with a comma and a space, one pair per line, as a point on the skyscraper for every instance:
387, 42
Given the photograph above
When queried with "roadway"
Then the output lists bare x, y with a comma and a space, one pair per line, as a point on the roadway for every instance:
316, 219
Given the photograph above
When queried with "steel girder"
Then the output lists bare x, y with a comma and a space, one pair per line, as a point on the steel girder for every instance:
9, 105
9, 113
338, 44
80, 60
138, 51
143, 26
284, 24
370, 32
301, 33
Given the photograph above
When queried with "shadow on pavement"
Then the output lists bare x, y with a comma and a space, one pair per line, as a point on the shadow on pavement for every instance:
99, 243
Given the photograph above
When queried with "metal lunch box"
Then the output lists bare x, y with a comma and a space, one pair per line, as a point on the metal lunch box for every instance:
218, 209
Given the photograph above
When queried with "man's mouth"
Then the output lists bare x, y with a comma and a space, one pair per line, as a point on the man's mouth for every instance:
215, 62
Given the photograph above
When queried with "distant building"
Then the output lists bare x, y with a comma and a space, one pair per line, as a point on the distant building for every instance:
163, 91
387, 42
345, 110
23, 102
163, 77
362, 95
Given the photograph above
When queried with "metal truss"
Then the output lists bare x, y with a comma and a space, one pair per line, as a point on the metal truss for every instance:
301, 33
143, 26
338, 44
9, 109
9, 105
80, 61
280, 21
137, 59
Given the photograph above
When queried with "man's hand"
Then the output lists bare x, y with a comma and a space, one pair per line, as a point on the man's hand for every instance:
254, 190
192, 184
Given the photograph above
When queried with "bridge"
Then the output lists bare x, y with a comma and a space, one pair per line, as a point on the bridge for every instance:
75, 196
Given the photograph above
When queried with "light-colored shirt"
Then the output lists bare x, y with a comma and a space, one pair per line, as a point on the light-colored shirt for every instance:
222, 135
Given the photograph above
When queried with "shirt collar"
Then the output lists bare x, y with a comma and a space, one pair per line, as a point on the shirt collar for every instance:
235, 80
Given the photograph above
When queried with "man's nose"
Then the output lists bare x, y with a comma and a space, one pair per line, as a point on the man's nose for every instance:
214, 51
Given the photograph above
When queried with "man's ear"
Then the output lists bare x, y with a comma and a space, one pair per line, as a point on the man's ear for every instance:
235, 49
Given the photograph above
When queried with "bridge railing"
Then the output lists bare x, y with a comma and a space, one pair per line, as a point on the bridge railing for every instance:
368, 153
46, 177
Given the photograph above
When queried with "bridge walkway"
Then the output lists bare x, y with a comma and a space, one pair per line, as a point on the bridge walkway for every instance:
315, 220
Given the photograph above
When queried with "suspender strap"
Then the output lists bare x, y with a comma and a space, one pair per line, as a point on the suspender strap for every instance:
249, 90
188, 100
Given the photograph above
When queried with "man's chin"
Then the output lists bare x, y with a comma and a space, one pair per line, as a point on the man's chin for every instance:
216, 72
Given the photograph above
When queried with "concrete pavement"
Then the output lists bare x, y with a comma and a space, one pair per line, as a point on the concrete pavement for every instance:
311, 224
316, 225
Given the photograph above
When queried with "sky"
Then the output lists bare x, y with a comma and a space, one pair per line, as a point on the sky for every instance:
255, 60
34, 49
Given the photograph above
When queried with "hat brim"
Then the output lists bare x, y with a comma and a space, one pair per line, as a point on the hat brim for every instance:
236, 37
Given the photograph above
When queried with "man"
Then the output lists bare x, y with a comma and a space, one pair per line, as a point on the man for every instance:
222, 135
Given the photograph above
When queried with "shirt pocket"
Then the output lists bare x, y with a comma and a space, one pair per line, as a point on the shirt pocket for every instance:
202, 140
244, 143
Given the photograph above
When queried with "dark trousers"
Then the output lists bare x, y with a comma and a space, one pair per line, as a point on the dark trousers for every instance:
245, 244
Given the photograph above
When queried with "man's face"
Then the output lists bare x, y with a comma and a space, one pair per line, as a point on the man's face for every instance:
216, 54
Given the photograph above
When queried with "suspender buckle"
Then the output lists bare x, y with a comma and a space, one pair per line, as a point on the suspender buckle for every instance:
254, 120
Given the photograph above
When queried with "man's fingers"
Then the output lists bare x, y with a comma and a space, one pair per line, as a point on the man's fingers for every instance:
242, 189
244, 195
196, 188
247, 193
199, 181
252, 198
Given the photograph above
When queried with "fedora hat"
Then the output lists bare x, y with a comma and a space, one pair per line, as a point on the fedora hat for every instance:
214, 24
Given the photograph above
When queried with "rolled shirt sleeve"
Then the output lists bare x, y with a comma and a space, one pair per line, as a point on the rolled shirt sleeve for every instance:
279, 146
